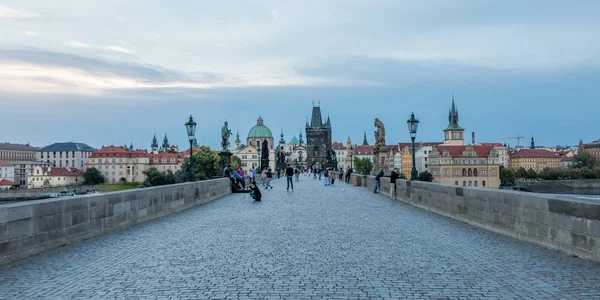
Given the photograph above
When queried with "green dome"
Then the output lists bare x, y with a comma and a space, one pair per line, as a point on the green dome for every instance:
294, 141
260, 130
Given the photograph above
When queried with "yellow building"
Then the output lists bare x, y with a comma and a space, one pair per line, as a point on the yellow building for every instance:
406, 163
535, 159
476, 166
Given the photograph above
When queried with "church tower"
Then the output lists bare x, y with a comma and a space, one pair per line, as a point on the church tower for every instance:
318, 141
282, 141
165, 144
365, 142
301, 140
237, 139
154, 145
454, 135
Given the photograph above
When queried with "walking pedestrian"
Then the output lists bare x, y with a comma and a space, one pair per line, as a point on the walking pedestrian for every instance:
297, 174
289, 172
263, 177
333, 176
326, 175
341, 177
376, 183
269, 178
395, 174
278, 173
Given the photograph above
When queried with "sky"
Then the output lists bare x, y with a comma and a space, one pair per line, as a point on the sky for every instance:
116, 72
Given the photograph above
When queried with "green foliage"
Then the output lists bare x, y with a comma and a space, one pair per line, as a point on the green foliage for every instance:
363, 165
123, 180
154, 177
531, 174
521, 173
554, 174
236, 162
584, 159
426, 176
172, 150
93, 176
507, 176
206, 165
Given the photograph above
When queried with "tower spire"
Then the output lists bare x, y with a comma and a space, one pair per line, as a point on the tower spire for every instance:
365, 142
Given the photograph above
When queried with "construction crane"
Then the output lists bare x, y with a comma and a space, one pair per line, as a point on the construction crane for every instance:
518, 138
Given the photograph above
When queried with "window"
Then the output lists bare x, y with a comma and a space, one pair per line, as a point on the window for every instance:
445, 171
464, 183
113, 173
483, 172
475, 172
464, 172
483, 183
470, 183
456, 183
470, 172
172, 160
475, 183
99, 167
113, 166
155, 160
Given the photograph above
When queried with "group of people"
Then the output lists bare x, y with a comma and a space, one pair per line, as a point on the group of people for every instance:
393, 178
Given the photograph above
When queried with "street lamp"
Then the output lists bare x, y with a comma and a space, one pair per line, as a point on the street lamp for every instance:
191, 130
413, 124
259, 160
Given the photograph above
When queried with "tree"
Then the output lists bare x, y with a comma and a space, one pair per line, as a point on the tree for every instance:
531, 174
584, 159
123, 180
236, 162
93, 176
206, 165
507, 176
425, 176
172, 150
154, 177
363, 165
521, 173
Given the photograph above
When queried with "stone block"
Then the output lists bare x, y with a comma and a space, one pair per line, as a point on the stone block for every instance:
580, 241
507, 222
97, 213
121, 207
114, 198
48, 207
76, 217
16, 229
14, 212
75, 229
575, 209
76, 203
98, 200
48, 223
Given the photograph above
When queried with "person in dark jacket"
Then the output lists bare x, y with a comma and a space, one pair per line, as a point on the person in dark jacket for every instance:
289, 173
255, 192
377, 179
269, 178
395, 175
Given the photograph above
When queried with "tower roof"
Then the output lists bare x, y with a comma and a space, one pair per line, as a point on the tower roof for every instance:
453, 118
316, 120
365, 142
294, 141
260, 130
154, 142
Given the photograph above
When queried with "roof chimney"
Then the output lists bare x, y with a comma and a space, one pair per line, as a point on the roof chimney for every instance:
473, 137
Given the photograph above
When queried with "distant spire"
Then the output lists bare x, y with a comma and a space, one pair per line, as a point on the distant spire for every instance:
282, 140
301, 140
131, 146
532, 143
365, 142
154, 142
165, 144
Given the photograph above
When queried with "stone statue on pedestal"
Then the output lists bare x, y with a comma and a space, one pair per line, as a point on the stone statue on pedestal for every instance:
225, 134
379, 134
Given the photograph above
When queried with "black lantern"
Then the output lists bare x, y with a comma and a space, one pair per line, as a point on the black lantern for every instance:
190, 126
413, 125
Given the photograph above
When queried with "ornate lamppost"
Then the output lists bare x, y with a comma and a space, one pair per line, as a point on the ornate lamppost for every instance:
413, 124
191, 131
259, 159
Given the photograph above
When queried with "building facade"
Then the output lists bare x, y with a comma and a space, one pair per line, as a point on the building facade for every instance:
7, 175
406, 163
54, 177
17, 152
535, 159
319, 142
473, 166
68, 154
25, 168
454, 135
593, 148
250, 154
340, 153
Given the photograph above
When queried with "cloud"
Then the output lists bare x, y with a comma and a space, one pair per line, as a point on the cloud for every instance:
9, 13
31, 33
119, 49
78, 44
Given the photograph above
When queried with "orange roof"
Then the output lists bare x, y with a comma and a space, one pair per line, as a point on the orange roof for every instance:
492, 144
457, 151
6, 182
363, 149
338, 146
533, 153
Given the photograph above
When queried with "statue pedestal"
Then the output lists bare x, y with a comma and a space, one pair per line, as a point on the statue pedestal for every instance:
224, 161
381, 160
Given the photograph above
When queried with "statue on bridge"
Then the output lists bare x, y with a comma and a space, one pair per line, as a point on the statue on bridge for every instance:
379, 134
225, 134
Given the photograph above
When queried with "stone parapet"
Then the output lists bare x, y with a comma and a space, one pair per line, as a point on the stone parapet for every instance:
568, 225
30, 228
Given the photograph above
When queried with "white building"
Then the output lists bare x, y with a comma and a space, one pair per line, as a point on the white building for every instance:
340, 154
422, 158
7, 175
69, 154
54, 177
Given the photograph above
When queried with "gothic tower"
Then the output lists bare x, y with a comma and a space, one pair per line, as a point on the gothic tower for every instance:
365, 142
318, 139
453, 134
237, 139
165, 144
154, 145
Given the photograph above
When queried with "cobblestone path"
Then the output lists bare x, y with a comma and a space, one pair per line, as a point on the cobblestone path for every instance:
316, 242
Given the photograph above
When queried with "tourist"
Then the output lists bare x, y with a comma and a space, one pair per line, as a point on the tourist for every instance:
341, 177
241, 172
320, 173
255, 192
278, 173
326, 175
228, 173
289, 172
263, 177
395, 175
253, 174
376, 183
297, 174
238, 180
269, 178
333, 176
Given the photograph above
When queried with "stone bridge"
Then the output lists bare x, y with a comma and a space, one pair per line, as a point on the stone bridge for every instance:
316, 242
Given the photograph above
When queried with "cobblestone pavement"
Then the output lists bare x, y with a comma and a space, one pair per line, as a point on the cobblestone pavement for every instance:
315, 242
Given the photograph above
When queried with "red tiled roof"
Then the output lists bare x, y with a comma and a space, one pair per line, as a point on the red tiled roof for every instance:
5, 164
17, 147
64, 171
6, 182
566, 158
419, 144
532, 153
457, 151
363, 149
338, 146
168, 156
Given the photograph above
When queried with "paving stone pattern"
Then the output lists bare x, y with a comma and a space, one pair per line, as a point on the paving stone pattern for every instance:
316, 242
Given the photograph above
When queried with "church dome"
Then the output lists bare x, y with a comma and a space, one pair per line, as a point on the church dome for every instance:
294, 141
260, 130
